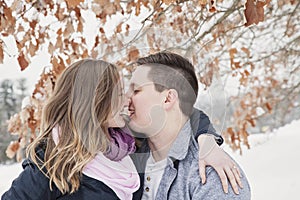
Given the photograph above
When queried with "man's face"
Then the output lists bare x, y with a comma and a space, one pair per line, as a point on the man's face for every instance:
145, 103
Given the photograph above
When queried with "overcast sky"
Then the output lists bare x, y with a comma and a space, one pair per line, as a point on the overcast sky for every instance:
10, 68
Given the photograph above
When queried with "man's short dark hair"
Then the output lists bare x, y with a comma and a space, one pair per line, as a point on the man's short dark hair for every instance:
177, 73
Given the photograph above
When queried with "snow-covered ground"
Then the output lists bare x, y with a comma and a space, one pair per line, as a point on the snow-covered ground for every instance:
7, 174
272, 164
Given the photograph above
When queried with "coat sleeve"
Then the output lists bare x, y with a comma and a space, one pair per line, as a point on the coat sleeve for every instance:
201, 125
30, 184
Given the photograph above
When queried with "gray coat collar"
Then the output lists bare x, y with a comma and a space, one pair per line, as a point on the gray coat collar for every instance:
180, 147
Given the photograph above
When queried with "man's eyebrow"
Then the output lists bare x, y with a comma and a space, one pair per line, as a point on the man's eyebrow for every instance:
133, 84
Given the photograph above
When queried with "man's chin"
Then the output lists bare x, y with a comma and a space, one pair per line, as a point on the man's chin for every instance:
133, 126
136, 128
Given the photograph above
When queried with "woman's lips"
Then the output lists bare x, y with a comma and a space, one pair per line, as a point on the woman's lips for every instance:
127, 113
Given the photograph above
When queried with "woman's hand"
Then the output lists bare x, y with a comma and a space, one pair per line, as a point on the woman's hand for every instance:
211, 154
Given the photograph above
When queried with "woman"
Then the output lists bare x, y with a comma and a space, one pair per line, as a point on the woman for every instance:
74, 154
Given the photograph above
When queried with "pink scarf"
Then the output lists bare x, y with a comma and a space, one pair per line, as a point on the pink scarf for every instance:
121, 175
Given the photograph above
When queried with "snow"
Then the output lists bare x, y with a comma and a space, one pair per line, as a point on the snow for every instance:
7, 174
271, 165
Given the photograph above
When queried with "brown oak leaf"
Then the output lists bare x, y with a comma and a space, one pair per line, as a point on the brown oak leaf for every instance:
22, 61
73, 3
1, 53
254, 11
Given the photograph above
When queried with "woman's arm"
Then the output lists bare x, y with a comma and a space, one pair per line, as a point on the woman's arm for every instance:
30, 184
210, 154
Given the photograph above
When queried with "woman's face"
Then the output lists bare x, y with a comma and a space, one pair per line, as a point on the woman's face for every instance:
118, 100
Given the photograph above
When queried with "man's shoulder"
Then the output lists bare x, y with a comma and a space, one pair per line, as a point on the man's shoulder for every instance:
213, 188
188, 174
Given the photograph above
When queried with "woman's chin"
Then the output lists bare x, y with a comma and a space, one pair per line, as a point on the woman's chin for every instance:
119, 124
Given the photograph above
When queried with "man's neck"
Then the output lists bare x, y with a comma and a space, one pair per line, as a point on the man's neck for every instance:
161, 143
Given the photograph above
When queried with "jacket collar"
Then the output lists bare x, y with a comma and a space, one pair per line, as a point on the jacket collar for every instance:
179, 148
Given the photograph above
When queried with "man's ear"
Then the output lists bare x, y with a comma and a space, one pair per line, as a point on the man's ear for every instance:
171, 97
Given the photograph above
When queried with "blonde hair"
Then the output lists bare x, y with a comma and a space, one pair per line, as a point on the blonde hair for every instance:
80, 105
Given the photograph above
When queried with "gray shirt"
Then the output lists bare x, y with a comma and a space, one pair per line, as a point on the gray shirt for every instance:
181, 178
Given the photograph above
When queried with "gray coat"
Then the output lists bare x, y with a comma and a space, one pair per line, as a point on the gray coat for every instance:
181, 178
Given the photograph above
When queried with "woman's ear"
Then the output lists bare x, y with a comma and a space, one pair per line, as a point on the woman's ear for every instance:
171, 97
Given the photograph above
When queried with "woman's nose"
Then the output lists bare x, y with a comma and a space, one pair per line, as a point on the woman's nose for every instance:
128, 94
127, 101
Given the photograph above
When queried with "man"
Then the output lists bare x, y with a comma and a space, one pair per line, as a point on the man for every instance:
162, 91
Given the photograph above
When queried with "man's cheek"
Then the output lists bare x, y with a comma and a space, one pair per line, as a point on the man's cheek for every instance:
155, 119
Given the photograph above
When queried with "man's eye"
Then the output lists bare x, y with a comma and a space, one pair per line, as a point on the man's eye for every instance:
136, 91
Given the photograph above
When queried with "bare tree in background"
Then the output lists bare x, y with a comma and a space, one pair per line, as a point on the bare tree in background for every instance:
255, 44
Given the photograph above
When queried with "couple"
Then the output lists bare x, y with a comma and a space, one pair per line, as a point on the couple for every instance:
82, 153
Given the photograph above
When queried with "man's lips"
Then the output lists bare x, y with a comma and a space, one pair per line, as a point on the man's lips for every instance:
131, 113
